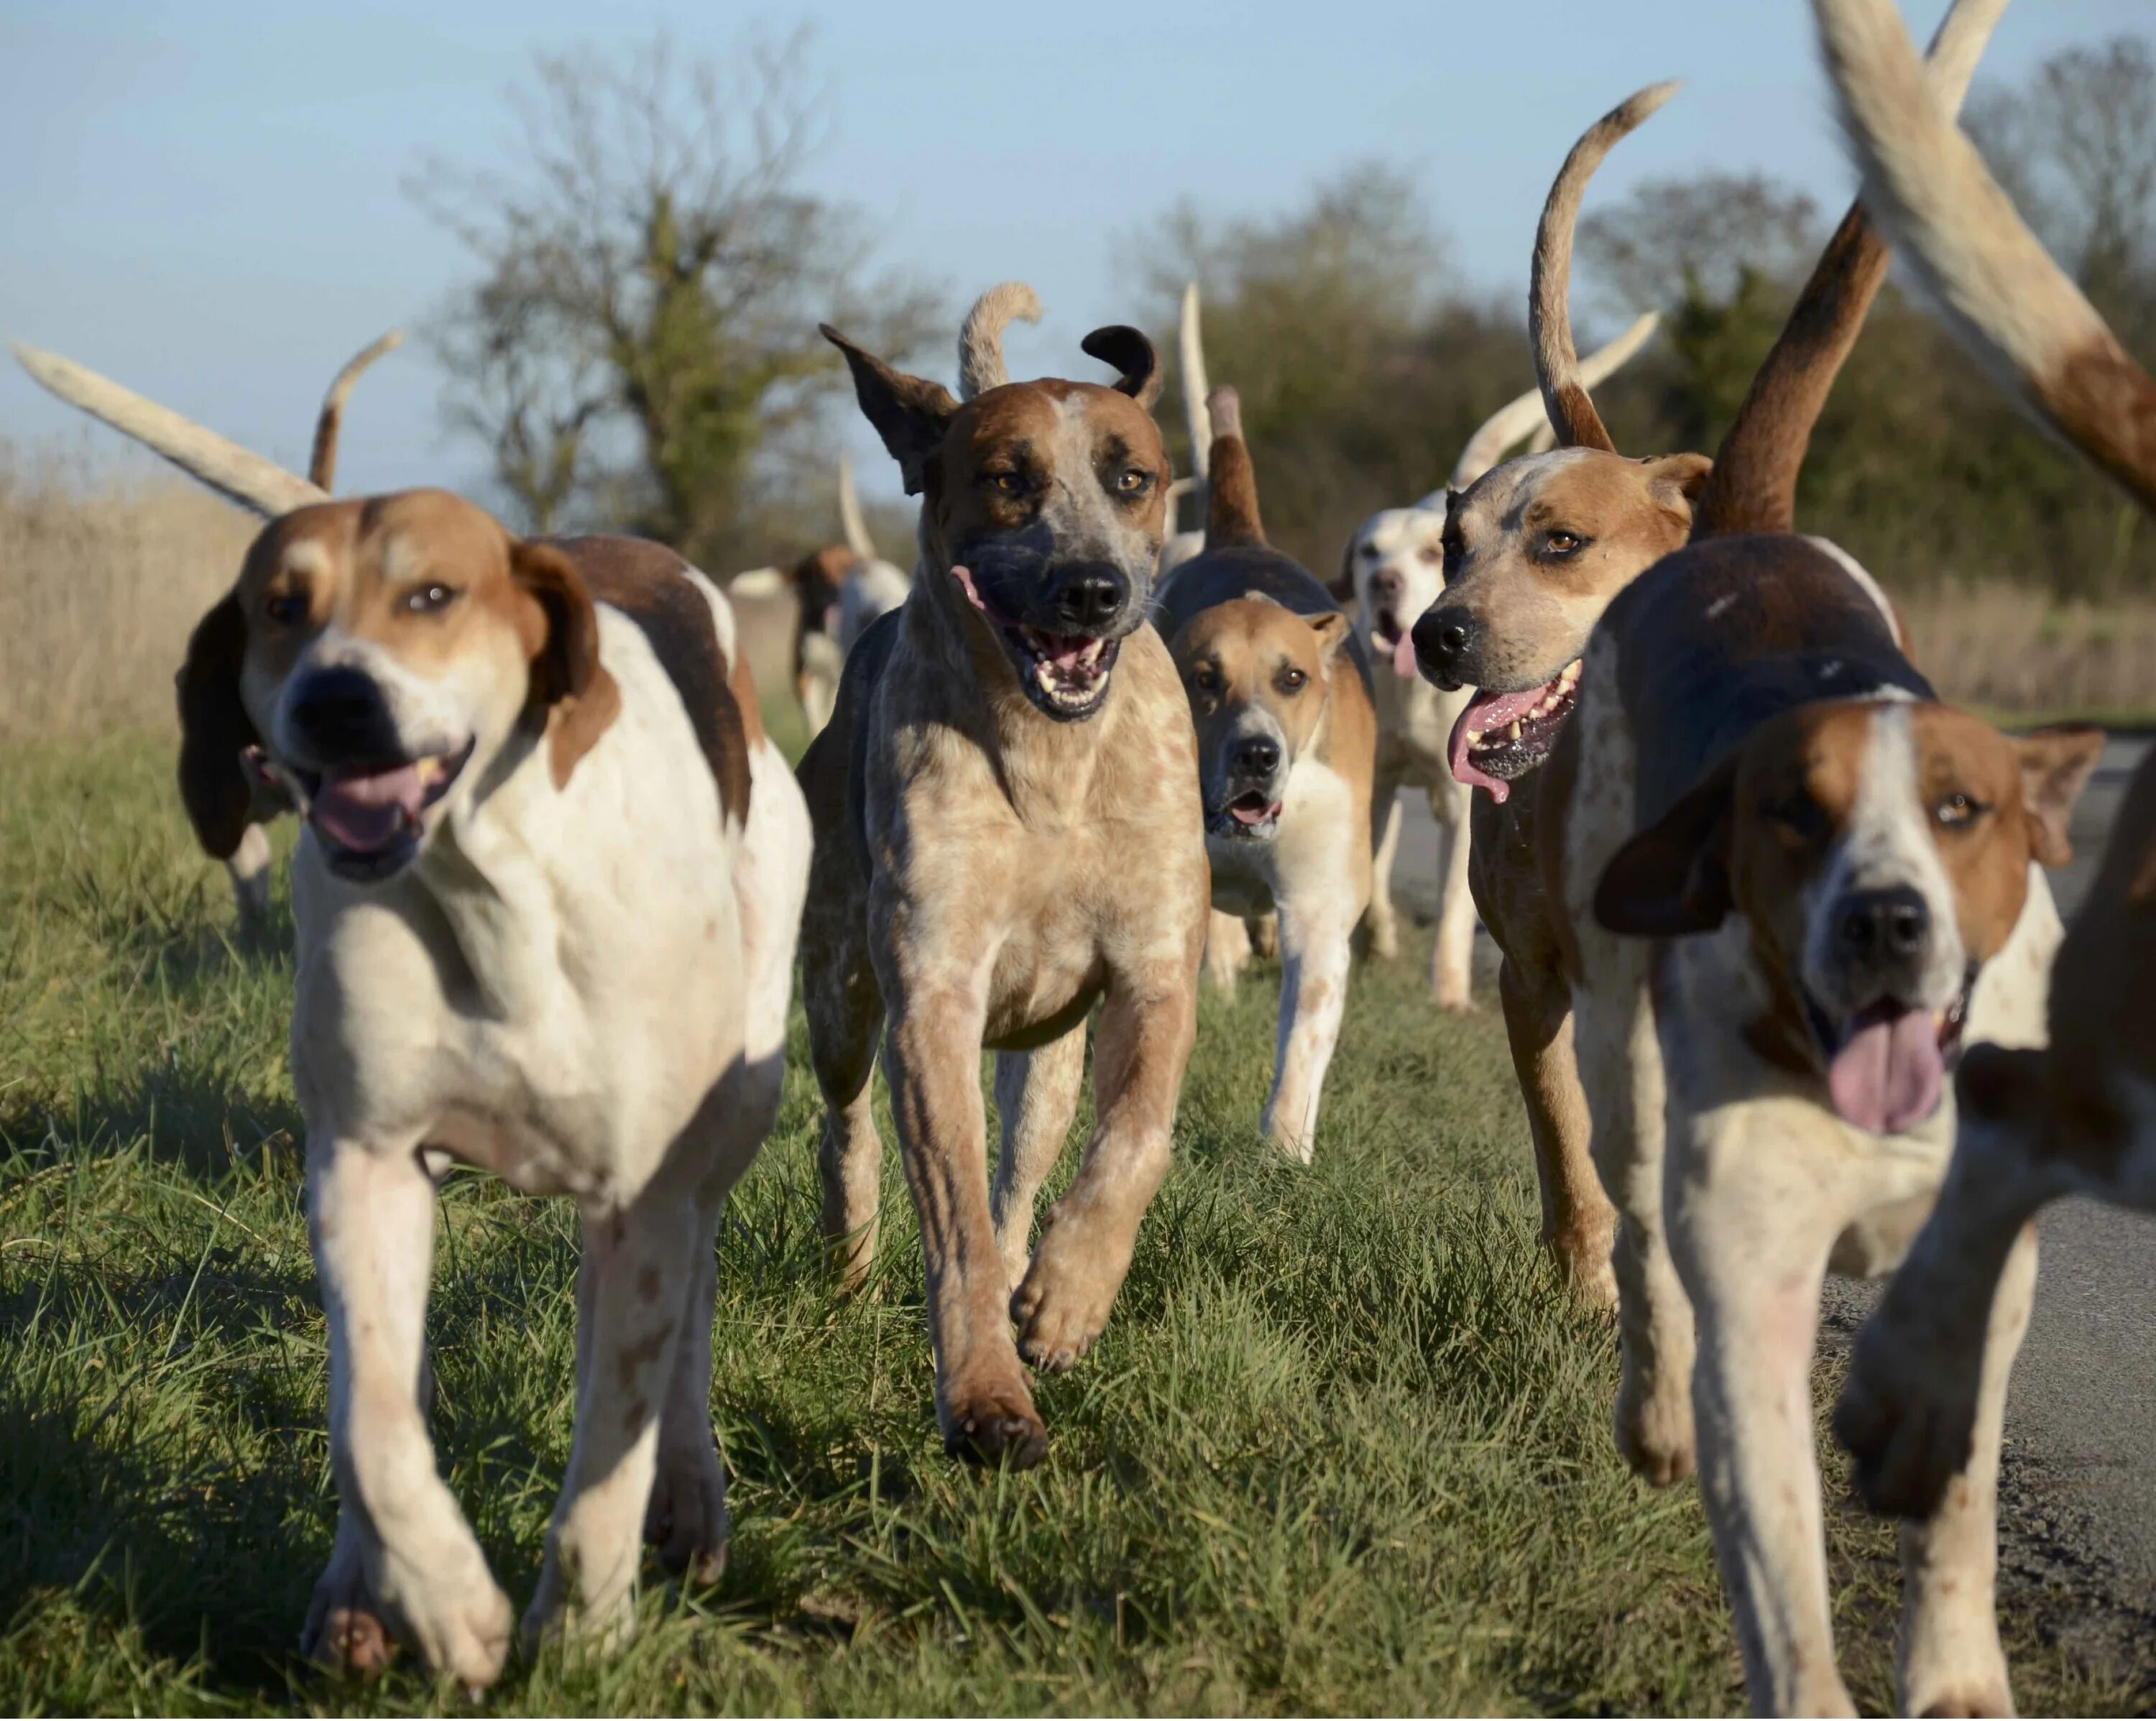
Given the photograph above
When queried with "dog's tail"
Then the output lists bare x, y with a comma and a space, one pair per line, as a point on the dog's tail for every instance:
1190, 352
247, 478
1753, 485
853, 525
981, 340
2000, 293
1524, 416
1231, 506
322, 463
1549, 293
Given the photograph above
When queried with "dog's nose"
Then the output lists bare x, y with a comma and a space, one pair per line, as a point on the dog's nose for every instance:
1385, 585
1255, 757
340, 714
1447, 646
1883, 927
1090, 600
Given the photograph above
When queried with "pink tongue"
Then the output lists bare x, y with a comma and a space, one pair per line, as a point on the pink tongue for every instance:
1404, 664
1485, 712
1889, 1076
1065, 653
367, 811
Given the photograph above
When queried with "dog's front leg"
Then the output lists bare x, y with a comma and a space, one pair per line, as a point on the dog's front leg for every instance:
1752, 1216
1452, 957
931, 1053
1314, 940
1952, 1662
405, 1562
1036, 1098
685, 1519
1578, 1220
1146, 1029
1227, 950
633, 1282
1387, 815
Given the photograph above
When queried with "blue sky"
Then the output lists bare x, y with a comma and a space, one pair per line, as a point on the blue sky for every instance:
204, 200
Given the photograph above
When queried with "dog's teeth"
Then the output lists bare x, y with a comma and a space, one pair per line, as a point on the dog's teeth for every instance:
1513, 732
1571, 672
1474, 737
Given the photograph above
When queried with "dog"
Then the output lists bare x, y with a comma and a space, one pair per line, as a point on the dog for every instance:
546, 896
1391, 572
2075, 1116
1008, 833
1279, 692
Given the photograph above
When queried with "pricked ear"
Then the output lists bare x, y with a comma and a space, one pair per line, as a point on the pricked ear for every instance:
1331, 627
910, 413
2055, 767
1676, 480
1673, 878
568, 682
214, 730
1129, 352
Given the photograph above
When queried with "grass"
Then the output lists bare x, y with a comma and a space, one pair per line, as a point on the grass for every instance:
1344, 1448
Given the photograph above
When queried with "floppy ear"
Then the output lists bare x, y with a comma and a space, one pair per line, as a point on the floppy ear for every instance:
214, 730
1343, 584
1130, 352
1331, 627
1676, 480
1673, 878
910, 413
567, 679
2055, 767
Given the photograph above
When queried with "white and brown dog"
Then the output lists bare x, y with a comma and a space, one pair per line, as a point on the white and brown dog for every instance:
1391, 573
546, 896
1007, 833
2079, 1115
1280, 691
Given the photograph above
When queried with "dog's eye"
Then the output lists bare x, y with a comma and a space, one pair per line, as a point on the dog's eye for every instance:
1010, 483
285, 608
1203, 679
1561, 542
1131, 480
1796, 817
427, 600
1291, 680
1430, 553
1957, 810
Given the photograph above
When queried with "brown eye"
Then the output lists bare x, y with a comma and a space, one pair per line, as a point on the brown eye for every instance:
1204, 679
1009, 483
285, 608
429, 599
1291, 681
1130, 481
1563, 543
1956, 811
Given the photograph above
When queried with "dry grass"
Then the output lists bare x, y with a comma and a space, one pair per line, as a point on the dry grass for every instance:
105, 568
2016, 651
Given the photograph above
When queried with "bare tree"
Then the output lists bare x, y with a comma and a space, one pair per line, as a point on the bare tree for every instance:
642, 341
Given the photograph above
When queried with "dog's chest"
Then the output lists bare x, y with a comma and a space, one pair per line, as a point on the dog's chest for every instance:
1414, 725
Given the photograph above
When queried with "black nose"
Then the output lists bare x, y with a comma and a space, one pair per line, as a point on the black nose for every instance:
1255, 756
1088, 600
1888, 925
1447, 644
340, 714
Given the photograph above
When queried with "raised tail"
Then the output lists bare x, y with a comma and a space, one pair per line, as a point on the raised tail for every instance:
321, 462
1231, 507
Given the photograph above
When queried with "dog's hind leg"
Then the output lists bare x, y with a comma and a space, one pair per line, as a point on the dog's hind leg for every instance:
1227, 950
1036, 1098
1578, 1221
1951, 1661
845, 1015
405, 1561
1389, 819
1139, 1054
1452, 956
685, 1518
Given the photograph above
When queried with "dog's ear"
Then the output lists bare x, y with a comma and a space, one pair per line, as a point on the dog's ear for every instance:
1676, 480
214, 730
910, 413
568, 682
2055, 767
1129, 352
1343, 583
1673, 878
1331, 627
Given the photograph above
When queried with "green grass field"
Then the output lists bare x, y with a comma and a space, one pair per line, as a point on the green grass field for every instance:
1344, 1447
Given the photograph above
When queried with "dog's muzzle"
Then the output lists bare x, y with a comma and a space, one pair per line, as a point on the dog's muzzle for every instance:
1062, 627
1247, 805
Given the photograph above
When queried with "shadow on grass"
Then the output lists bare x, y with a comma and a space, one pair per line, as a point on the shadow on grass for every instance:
189, 1111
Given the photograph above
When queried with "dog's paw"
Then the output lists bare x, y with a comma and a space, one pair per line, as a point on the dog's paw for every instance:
685, 1522
1384, 940
1655, 1435
1061, 1306
1908, 1416
991, 1428
457, 1620
1453, 999
1972, 1698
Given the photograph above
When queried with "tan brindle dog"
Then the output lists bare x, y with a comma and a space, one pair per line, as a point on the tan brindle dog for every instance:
1008, 833
1534, 552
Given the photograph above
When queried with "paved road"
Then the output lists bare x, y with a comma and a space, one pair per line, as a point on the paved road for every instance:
2080, 1483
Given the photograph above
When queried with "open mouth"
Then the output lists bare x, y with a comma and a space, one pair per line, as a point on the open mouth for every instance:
370, 817
1064, 674
1502, 736
1392, 642
1252, 816
1886, 1065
